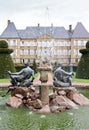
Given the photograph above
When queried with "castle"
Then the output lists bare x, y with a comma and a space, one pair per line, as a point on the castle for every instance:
55, 43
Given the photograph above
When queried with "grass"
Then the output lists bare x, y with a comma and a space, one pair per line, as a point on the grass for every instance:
74, 79
4, 80
80, 80
8, 80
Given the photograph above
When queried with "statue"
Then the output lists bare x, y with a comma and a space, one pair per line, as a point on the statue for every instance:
24, 78
62, 78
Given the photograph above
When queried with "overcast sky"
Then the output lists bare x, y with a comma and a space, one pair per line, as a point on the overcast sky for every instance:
31, 12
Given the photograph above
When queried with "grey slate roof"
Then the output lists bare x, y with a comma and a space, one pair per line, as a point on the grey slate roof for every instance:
80, 31
35, 32
10, 31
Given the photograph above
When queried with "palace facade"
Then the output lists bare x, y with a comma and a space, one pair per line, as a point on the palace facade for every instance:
55, 43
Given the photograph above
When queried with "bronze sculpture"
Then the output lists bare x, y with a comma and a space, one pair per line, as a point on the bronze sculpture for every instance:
62, 78
23, 78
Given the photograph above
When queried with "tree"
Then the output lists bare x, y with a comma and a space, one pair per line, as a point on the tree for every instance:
83, 66
34, 67
6, 62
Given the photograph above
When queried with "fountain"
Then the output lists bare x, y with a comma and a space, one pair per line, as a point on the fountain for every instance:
44, 88
63, 97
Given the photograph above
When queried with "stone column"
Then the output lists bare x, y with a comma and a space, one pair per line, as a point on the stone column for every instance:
44, 90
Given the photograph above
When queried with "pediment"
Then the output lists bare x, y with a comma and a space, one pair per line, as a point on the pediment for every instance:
45, 36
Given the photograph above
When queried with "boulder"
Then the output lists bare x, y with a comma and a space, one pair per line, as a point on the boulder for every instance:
37, 104
19, 90
80, 99
63, 101
33, 95
52, 96
14, 102
29, 102
56, 109
19, 96
45, 109
62, 92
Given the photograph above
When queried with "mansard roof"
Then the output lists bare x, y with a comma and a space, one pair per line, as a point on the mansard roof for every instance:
36, 32
80, 31
10, 31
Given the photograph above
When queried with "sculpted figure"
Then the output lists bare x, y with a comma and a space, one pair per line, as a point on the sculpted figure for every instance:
23, 78
62, 78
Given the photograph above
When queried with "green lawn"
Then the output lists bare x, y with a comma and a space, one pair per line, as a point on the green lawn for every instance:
4, 80
74, 79
80, 80
8, 80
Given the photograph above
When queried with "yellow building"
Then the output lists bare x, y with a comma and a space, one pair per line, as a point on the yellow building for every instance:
55, 43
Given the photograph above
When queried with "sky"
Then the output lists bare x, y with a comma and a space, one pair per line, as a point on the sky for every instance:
45, 12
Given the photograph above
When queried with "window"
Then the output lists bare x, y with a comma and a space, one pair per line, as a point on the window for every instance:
39, 44
12, 42
32, 52
28, 51
76, 52
79, 43
22, 43
76, 43
14, 53
61, 52
22, 52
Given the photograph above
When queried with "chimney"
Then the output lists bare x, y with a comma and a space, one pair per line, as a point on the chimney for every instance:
70, 28
8, 22
38, 24
51, 24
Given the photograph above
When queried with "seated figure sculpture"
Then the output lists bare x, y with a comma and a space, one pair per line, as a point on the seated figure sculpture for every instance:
21, 78
62, 78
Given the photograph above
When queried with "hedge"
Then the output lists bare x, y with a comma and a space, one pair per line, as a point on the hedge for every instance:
83, 66
6, 62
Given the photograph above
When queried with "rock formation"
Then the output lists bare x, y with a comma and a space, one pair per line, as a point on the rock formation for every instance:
59, 101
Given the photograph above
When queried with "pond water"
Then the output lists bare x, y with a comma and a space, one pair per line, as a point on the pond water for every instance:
23, 119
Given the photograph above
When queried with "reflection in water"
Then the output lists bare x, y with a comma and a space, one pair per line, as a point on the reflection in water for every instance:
23, 119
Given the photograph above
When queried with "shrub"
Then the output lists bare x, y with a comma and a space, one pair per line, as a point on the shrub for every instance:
83, 66
5, 51
87, 44
6, 63
3, 44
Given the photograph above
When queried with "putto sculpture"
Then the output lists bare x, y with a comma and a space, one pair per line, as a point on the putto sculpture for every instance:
62, 78
23, 78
